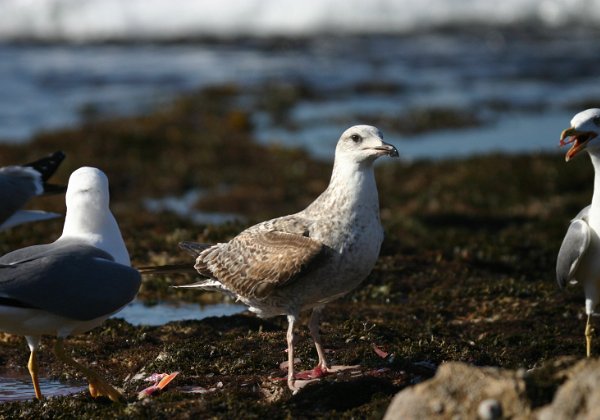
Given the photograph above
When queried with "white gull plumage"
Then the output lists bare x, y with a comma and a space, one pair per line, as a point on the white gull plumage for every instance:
19, 183
303, 261
579, 255
72, 284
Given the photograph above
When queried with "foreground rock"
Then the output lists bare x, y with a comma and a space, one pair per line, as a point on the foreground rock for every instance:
579, 397
462, 391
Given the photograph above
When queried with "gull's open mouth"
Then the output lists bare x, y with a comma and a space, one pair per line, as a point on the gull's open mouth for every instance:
579, 139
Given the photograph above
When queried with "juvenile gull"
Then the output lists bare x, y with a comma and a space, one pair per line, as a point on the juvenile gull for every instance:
73, 284
19, 183
303, 261
579, 255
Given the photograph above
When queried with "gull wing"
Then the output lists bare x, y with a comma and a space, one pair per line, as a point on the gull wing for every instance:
256, 262
25, 216
573, 248
72, 280
17, 185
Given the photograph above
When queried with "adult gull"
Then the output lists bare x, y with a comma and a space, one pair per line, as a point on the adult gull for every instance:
19, 183
72, 284
303, 261
579, 255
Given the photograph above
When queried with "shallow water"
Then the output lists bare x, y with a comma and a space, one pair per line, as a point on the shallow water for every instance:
506, 78
138, 313
517, 133
185, 206
15, 387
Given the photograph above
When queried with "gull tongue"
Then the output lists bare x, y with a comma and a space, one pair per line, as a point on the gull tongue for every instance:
574, 149
568, 140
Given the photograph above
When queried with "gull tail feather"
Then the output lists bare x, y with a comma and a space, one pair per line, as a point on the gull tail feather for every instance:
167, 269
211, 285
193, 248
201, 284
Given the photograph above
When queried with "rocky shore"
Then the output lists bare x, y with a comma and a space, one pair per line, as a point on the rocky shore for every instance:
466, 274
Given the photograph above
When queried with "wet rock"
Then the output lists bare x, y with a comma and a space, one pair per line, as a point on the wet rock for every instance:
579, 396
462, 391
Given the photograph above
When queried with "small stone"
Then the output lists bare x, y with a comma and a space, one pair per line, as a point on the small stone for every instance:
489, 409
437, 407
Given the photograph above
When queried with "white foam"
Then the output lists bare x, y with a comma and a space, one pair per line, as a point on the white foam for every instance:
85, 20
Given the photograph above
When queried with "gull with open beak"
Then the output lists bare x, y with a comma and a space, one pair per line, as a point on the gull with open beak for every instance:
579, 256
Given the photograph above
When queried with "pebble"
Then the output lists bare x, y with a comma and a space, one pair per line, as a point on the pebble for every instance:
489, 409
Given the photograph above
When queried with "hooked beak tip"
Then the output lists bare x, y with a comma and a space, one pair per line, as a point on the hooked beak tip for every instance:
566, 133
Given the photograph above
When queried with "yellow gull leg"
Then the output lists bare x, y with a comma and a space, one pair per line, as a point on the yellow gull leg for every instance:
588, 336
99, 387
33, 371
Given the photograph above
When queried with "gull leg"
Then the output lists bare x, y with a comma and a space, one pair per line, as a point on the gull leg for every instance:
290, 342
313, 326
98, 385
588, 336
32, 366
321, 369
33, 342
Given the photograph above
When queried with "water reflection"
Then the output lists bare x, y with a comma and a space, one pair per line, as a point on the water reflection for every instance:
15, 387
137, 313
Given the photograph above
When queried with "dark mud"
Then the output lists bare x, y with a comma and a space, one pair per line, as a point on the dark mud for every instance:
465, 274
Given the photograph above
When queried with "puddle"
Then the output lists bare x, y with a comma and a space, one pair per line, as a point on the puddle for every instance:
184, 206
137, 313
15, 387
18, 387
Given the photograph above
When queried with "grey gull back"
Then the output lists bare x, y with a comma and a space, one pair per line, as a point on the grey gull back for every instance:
72, 284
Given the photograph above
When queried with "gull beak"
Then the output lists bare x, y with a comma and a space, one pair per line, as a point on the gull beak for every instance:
579, 139
387, 149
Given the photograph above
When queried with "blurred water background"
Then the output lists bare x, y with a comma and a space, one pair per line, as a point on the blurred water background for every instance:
496, 76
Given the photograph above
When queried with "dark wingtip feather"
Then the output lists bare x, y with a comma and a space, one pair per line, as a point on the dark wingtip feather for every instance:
47, 165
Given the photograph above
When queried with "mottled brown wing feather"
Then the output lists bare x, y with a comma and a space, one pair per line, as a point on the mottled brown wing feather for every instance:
254, 263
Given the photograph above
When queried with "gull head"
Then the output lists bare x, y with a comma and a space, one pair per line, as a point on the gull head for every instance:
583, 133
88, 216
87, 189
363, 143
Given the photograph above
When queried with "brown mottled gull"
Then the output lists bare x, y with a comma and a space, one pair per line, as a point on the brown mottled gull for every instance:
303, 261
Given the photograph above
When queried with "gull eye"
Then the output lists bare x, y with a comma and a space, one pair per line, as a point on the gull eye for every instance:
356, 138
